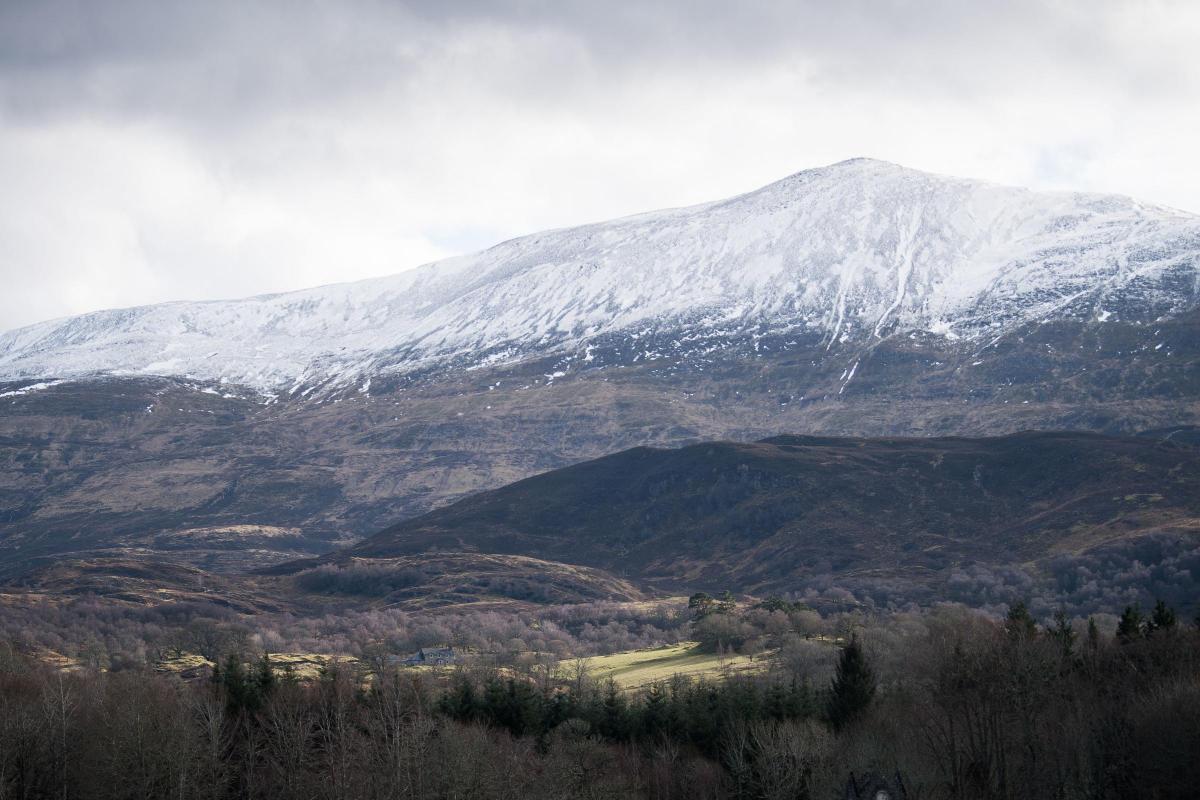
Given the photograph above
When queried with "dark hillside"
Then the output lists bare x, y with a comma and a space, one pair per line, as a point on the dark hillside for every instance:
755, 516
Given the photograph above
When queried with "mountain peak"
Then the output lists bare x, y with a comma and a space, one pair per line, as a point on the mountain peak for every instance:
872, 168
853, 251
851, 168
865, 162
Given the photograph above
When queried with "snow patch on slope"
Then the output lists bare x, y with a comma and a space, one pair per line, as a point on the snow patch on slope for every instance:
30, 389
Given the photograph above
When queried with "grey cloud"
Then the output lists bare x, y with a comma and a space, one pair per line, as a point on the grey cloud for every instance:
197, 60
154, 149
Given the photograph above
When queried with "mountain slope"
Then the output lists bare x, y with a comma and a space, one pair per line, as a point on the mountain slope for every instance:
776, 513
811, 306
95, 468
849, 253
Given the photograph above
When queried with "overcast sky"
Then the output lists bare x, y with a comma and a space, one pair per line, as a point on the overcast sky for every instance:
153, 151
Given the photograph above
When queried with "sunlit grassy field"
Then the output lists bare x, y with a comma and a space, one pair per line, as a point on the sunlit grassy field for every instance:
303, 666
638, 668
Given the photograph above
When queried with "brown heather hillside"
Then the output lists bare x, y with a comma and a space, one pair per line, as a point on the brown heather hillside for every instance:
761, 517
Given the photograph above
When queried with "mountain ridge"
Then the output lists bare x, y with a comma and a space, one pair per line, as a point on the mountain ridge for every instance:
853, 252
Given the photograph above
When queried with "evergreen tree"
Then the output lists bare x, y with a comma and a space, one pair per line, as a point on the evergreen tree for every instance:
615, 722
701, 604
238, 690
265, 677
853, 686
1093, 637
725, 603
654, 711
1020, 624
774, 703
1130, 627
461, 702
777, 603
560, 707
801, 700
1064, 634
1161, 619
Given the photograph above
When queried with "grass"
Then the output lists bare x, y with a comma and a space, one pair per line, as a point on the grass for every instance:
305, 666
635, 669
184, 662
58, 661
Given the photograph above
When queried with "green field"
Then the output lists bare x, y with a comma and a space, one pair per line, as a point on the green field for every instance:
637, 668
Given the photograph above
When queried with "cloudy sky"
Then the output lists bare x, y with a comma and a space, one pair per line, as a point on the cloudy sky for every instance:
152, 151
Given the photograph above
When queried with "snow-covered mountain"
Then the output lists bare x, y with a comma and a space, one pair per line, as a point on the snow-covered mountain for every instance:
854, 251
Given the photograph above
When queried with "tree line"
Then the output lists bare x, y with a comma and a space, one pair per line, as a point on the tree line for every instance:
963, 706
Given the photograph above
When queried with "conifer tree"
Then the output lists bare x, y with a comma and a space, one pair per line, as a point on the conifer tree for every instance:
265, 676
1161, 619
1063, 633
237, 688
654, 710
1130, 627
1020, 624
725, 603
614, 724
853, 686
461, 703
701, 605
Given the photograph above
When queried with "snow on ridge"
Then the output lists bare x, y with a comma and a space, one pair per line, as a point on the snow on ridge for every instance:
30, 389
851, 250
